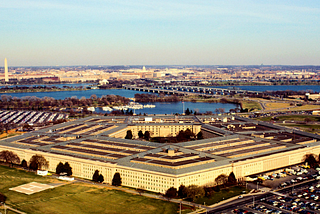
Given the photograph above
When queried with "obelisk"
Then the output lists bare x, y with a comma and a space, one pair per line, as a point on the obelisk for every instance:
6, 74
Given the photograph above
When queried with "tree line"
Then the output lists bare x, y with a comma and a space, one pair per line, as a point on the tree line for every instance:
193, 192
36, 161
312, 160
145, 98
8, 102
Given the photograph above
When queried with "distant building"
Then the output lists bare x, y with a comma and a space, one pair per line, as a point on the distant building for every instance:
103, 82
6, 73
312, 96
315, 112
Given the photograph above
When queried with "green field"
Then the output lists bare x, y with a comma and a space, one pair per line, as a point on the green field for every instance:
76, 197
222, 195
250, 105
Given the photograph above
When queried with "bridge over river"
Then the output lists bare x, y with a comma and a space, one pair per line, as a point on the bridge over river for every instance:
189, 90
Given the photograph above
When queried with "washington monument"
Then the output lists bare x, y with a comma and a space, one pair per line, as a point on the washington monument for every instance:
6, 75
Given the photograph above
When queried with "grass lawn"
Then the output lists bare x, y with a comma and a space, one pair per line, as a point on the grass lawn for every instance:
10, 133
270, 106
305, 108
222, 195
250, 105
299, 117
76, 197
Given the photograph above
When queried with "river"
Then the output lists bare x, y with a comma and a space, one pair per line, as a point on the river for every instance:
161, 108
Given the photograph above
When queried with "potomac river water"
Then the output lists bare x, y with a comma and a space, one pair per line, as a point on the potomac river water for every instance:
162, 108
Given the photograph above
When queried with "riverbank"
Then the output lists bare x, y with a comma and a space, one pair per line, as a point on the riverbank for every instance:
3, 91
261, 83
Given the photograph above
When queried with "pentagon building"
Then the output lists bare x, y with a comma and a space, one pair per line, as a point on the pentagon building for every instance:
231, 143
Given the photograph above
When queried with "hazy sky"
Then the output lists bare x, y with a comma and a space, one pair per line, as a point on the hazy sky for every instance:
157, 32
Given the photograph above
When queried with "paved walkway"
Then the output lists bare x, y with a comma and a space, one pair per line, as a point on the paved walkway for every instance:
6, 207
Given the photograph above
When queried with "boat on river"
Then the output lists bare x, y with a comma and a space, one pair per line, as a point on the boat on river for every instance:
149, 106
91, 109
107, 108
121, 107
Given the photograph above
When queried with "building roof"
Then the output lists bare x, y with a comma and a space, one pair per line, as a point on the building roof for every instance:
88, 138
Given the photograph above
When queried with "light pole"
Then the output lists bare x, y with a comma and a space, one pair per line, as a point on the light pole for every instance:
292, 188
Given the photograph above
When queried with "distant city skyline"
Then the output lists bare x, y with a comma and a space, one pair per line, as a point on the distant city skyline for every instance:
140, 32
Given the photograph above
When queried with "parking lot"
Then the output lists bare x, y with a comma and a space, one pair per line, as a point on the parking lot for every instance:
289, 194
31, 117
288, 177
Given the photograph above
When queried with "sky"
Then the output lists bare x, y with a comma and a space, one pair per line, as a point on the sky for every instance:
153, 32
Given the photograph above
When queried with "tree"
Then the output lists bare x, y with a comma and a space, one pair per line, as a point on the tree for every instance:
185, 135
310, 159
221, 179
33, 166
209, 191
64, 168
140, 134
67, 169
182, 191
187, 111
59, 168
116, 181
221, 110
95, 176
3, 198
24, 164
232, 179
9, 157
200, 135
38, 162
194, 191
147, 135
129, 135
171, 193
100, 178
189, 134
